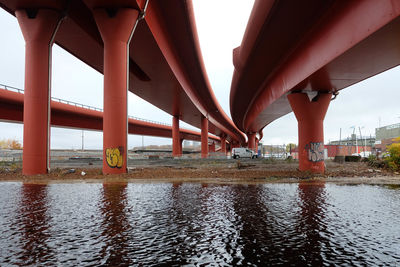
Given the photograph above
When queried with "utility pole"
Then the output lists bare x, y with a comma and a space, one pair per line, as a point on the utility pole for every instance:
354, 134
143, 142
359, 128
356, 144
365, 139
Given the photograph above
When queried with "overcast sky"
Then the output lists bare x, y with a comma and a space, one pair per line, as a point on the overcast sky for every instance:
220, 30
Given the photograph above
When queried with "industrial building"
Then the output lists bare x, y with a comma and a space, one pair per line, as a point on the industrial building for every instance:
385, 136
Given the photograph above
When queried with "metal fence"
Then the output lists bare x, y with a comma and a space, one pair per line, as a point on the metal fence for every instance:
273, 151
10, 155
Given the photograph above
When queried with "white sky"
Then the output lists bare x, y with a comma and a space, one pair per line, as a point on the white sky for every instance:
220, 31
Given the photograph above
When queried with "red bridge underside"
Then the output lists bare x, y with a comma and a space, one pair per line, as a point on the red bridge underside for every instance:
69, 116
165, 64
315, 46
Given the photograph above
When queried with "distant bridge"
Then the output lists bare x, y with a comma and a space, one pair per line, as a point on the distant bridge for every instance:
70, 114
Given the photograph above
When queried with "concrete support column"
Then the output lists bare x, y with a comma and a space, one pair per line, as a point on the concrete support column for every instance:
38, 28
204, 137
260, 135
256, 145
234, 145
211, 147
176, 140
223, 144
180, 146
251, 141
310, 117
116, 28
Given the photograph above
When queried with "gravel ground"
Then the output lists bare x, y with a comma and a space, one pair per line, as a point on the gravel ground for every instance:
202, 170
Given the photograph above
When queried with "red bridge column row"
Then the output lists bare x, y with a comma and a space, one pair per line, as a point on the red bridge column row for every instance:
116, 26
205, 148
39, 27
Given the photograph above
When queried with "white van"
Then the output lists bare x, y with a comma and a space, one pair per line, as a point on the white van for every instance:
242, 152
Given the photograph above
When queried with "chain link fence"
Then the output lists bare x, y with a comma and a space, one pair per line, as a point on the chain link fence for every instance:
273, 151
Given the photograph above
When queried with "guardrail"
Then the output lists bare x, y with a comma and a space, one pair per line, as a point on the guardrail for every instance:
21, 91
10, 88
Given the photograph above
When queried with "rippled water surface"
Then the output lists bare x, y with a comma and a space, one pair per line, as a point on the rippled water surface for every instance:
198, 224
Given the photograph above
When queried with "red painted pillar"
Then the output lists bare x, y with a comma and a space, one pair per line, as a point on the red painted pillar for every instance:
256, 145
251, 141
234, 145
180, 147
310, 117
223, 144
38, 28
211, 147
176, 140
204, 137
115, 26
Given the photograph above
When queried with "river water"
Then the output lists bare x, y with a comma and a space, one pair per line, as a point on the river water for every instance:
199, 224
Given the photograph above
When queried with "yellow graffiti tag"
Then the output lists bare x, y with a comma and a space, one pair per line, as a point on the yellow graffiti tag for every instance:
114, 157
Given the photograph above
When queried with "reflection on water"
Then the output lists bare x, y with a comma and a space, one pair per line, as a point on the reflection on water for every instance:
312, 222
115, 225
34, 227
306, 224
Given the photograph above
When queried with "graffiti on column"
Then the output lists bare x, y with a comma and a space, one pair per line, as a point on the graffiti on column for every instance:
315, 152
114, 157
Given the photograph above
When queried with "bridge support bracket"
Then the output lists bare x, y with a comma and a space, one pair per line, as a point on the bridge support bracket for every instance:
310, 116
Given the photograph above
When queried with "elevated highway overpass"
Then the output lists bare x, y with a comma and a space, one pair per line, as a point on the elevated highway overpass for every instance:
296, 56
73, 115
150, 48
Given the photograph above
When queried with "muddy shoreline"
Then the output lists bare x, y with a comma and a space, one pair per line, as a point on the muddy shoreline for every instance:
220, 171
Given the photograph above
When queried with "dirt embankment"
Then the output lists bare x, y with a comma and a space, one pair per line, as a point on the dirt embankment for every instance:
209, 171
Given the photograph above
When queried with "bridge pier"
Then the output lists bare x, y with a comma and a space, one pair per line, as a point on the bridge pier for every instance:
116, 27
38, 28
204, 137
176, 140
256, 145
211, 147
310, 117
223, 144
252, 141
234, 144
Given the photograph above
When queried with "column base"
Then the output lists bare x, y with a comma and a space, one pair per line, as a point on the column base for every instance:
310, 116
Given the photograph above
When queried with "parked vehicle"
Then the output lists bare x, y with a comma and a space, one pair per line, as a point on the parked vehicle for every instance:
242, 152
